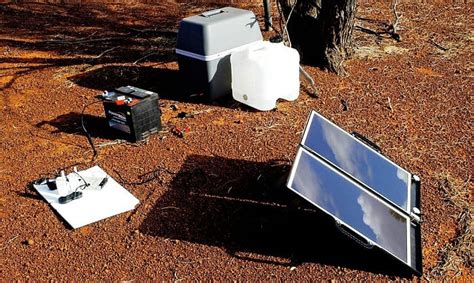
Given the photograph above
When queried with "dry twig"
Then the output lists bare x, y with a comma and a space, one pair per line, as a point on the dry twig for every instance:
106, 51
268, 125
8, 242
144, 57
389, 104
438, 45
396, 15
169, 207
78, 41
111, 143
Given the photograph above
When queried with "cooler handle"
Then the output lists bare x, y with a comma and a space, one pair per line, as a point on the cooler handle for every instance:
212, 13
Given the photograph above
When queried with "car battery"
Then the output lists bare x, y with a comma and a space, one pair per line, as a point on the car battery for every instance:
133, 111
204, 45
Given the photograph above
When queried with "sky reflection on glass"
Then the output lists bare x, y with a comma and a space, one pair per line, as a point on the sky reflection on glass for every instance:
342, 198
353, 157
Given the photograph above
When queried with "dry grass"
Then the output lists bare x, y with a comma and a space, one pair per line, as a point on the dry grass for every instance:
457, 255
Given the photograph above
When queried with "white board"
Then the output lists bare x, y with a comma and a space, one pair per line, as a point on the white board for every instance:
95, 204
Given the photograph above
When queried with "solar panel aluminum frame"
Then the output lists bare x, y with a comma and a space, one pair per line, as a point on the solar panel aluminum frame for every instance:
411, 214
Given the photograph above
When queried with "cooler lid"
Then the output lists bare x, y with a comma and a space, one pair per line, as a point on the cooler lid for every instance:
216, 32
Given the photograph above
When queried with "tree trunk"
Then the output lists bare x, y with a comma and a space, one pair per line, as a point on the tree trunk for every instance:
321, 30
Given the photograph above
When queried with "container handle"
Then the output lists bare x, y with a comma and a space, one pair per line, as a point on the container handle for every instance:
367, 141
364, 243
212, 13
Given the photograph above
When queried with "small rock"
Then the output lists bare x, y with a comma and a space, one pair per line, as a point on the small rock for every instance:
184, 115
292, 268
345, 105
30, 242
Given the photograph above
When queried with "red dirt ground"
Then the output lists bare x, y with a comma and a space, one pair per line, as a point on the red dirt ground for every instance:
413, 98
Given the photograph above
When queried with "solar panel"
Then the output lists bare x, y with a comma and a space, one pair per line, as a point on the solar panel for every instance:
362, 190
358, 160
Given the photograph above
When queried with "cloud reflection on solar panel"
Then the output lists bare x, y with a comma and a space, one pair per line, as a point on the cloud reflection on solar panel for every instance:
342, 198
350, 155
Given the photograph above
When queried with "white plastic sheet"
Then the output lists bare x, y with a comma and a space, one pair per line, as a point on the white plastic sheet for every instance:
95, 204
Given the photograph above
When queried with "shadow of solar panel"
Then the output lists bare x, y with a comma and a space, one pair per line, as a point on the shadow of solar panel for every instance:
366, 193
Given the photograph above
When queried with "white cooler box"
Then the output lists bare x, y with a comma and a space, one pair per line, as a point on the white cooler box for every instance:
204, 45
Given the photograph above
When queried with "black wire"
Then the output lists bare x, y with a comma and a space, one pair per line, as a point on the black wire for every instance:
151, 176
82, 178
285, 20
277, 31
89, 137
281, 18
81, 187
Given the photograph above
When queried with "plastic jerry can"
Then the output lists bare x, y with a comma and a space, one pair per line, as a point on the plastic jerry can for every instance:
263, 73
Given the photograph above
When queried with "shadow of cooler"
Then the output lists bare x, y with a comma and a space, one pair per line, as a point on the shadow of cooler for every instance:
204, 45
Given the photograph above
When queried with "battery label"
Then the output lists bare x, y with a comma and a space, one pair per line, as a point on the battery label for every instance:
118, 116
119, 121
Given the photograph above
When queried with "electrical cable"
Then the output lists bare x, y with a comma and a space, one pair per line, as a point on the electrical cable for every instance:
281, 15
83, 186
287, 21
285, 30
277, 31
88, 135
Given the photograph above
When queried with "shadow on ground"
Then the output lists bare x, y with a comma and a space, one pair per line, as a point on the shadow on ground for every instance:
168, 83
245, 208
165, 82
69, 35
89, 30
70, 123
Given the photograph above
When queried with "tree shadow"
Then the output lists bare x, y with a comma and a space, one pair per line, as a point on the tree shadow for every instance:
89, 30
168, 83
245, 208
84, 35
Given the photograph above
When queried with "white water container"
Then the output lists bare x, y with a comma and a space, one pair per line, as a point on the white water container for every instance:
263, 73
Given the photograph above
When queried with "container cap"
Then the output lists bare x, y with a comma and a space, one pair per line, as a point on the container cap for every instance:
276, 39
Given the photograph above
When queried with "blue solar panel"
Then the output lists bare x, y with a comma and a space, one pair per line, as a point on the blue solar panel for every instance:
358, 160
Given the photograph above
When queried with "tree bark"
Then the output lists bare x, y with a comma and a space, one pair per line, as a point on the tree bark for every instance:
321, 30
